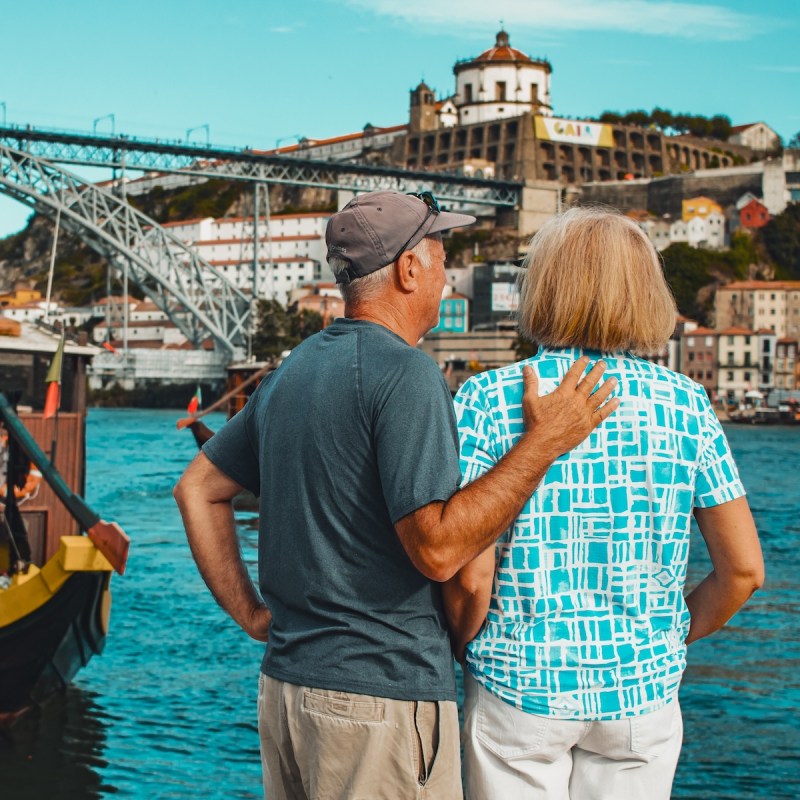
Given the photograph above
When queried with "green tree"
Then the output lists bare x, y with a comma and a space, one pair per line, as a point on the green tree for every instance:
639, 117
662, 118
794, 142
781, 237
279, 329
273, 332
686, 271
304, 323
721, 127
742, 254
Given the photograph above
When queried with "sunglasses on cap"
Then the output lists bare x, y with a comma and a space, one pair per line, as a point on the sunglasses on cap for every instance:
433, 208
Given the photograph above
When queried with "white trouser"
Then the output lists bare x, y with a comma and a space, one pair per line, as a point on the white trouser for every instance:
509, 753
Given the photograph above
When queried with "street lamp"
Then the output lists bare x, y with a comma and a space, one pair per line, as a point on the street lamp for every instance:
190, 131
286, 139
100, 119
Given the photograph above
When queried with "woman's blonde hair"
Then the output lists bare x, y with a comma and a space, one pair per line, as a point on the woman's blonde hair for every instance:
594, 280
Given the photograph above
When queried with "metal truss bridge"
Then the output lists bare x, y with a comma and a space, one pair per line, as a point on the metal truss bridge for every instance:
123, 152
196, 296
193, 294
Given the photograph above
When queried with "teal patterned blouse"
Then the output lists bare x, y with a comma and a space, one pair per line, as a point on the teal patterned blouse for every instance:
587, 618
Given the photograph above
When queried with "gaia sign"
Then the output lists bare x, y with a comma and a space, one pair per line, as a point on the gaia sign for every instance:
595, 134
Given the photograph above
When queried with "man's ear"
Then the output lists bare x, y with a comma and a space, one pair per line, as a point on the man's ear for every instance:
407, 269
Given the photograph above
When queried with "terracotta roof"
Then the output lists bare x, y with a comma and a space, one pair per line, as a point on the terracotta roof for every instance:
227, 262
310, 237
787, 341
766, 330
180, 222
702, 332
308, 144
740, 128
736, 332
273, 217
502, 52
738, 285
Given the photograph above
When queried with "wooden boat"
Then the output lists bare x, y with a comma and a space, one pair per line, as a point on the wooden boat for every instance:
56, 554
243, 380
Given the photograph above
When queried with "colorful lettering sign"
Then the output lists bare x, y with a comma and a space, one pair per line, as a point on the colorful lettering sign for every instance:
505, 297
574, 131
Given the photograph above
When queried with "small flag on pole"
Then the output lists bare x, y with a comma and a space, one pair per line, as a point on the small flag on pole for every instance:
52, 399
195, 402
108, 346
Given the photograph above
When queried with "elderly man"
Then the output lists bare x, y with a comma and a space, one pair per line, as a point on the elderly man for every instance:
351, 445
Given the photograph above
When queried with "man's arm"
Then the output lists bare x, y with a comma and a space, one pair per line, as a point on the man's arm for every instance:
738, 566
443, 536
466, 599
204, 494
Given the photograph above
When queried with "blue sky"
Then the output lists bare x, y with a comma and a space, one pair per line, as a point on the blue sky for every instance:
259, 73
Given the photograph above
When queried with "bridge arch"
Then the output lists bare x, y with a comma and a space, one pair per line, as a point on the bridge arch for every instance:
189, 290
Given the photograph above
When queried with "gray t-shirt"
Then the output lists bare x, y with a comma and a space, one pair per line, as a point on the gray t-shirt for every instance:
353, 432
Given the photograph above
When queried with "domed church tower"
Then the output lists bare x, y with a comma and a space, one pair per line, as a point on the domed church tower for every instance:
501, 82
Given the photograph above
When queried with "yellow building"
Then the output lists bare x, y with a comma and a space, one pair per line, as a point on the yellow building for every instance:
699, 207
19, 297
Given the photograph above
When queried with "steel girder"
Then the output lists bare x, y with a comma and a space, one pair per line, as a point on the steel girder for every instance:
155, 156
193, 294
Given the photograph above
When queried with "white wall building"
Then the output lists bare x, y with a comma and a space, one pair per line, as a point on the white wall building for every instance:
501, 82
757, 135
291, 250
746, 361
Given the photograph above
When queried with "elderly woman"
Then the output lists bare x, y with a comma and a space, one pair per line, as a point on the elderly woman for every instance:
578, 615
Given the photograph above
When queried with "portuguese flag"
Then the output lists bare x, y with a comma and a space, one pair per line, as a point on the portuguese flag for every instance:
52, 399
195, 402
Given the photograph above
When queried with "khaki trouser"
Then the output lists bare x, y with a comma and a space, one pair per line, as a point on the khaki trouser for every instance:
318, 744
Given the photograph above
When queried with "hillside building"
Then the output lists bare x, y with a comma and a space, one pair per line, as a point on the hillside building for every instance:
745, 362
771, 305
291, 250
787, 365
699, 354
758, 136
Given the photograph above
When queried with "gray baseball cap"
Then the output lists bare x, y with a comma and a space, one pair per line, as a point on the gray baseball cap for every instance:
374, 229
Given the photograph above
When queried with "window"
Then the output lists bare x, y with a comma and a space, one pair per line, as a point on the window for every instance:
690, 341
467, 92
691, 357
709, 341
500, 91
747, 376
730, 376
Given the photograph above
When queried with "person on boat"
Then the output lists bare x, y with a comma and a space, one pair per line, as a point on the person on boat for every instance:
351, 444
578, 616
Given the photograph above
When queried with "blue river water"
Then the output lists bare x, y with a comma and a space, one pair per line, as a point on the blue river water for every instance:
168, 711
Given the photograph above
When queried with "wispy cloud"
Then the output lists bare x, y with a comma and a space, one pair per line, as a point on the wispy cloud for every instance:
282, 29
689, 20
